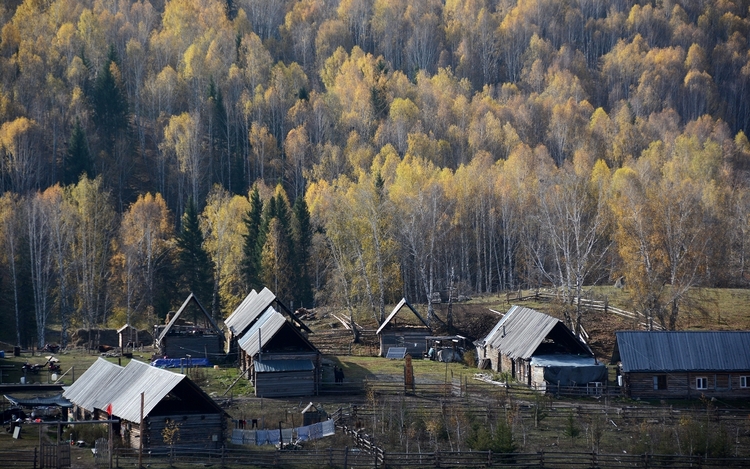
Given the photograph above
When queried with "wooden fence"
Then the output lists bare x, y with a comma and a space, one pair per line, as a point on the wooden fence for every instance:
356, 457
21, 458
587, 303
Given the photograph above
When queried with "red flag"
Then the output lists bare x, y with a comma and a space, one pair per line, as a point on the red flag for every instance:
109, 409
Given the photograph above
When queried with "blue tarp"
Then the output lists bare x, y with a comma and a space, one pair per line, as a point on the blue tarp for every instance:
177, 362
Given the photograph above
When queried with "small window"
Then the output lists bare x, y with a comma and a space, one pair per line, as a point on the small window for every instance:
701, 383
660, 382
743, 382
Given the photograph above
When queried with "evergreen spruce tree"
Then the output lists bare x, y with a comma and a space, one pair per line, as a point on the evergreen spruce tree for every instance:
109, 101
77, 160
251, 266
285, 241
193, 262
302, 235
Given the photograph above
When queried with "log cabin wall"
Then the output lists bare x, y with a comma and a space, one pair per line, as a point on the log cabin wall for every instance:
685, 385
205, 431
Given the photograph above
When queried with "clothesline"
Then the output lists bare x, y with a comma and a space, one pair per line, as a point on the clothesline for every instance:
288, 435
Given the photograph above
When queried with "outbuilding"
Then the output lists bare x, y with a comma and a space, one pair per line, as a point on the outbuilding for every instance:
409, 334
278, 358
683, 364
191, 331
539, 350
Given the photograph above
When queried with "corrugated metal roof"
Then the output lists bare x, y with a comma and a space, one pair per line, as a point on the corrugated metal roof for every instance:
84, 391
272, 322
395, 311
106, 383
683, 350
271, 366
240, 314
520, 331
97, 388
124, 392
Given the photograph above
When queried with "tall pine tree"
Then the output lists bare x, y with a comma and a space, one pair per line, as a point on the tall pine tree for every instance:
194, 264
109, 101
251, 265
302, 235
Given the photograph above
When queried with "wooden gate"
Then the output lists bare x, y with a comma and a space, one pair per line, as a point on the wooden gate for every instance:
54, 456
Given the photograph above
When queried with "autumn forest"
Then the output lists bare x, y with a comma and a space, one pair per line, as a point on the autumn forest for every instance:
352, 152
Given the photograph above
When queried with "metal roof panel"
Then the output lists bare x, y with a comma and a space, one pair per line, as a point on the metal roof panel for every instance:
84, 391
684, 350
520, 331
267, 326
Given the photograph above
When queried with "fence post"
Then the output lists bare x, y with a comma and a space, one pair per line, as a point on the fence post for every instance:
594, 462
346, 456
35, 457
489, 457
541, 458
645, 460
437, 458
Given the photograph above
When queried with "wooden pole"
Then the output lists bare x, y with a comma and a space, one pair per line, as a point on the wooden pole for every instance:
140, 439
111, 445
41, 452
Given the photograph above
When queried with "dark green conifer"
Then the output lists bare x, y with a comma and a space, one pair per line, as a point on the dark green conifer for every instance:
193, 262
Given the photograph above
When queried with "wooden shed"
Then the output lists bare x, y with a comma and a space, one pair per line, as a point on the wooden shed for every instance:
404, 331
683, 364
278, 358
168, 399
538, 350
190, 331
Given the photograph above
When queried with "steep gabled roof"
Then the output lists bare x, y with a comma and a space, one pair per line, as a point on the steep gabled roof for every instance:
105, 383
252, 307
188, 300
241, 316
85, 390
263, 331
396, 310
682, 350
522, 330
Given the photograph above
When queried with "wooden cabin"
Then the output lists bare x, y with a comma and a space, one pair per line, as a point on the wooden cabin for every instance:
683, 364
399, 331
538, 350
278, 358
168, 399
190, 331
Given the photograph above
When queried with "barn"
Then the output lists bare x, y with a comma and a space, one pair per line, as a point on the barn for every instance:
684, 364
278, 358
168, 399
190, 331
538, 350
409, 333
